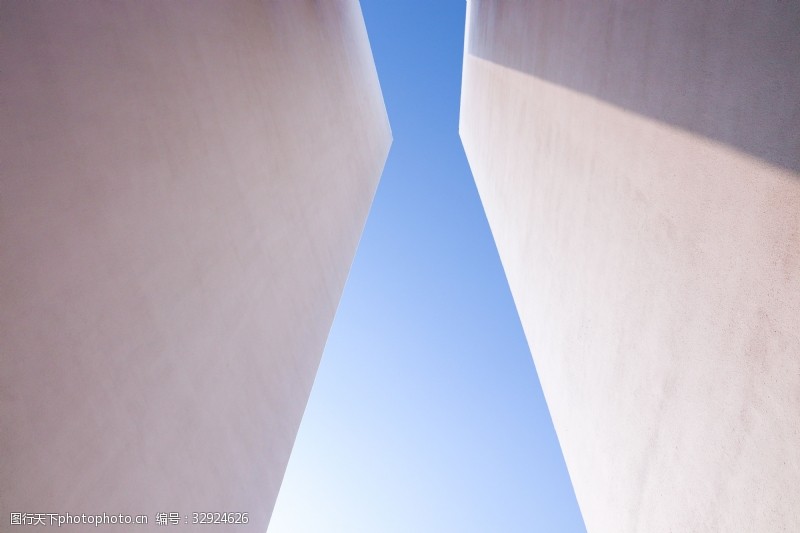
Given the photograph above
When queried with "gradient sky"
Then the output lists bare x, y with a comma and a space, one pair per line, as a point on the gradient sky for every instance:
426, 414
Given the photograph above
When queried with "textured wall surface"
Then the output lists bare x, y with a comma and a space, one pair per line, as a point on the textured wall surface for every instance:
183, 188
639, 172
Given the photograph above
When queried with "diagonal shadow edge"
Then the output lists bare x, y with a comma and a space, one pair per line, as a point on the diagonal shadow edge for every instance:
729, 73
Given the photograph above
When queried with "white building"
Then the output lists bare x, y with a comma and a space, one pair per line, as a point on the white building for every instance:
183, 188
639, 164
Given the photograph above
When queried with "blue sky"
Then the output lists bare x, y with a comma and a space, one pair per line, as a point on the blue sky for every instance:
426, 414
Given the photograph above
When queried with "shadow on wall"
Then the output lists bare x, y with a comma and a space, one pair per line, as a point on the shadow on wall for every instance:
728, 71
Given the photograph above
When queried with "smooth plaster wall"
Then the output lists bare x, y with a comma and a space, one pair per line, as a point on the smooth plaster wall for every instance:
655, 267
183, 188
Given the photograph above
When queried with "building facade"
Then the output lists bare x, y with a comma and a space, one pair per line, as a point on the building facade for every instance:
184, 185
639, 164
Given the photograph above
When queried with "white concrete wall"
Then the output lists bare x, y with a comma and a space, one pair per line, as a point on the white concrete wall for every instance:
653, 251
183, 188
